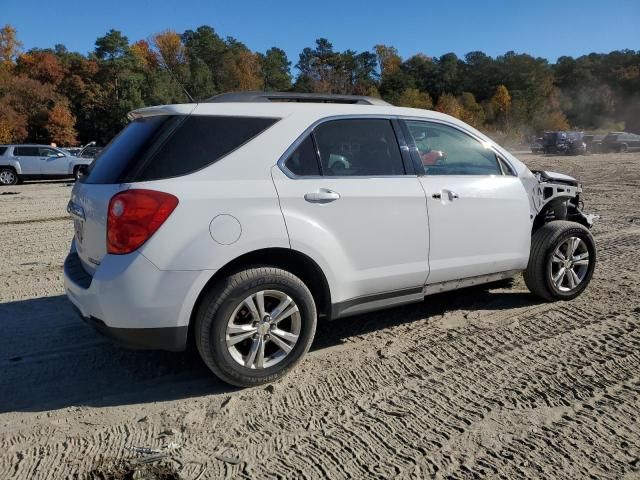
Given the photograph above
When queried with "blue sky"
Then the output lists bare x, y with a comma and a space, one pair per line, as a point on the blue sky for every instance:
542, 28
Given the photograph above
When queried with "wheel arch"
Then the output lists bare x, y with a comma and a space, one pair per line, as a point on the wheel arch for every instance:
13, 165
294, 261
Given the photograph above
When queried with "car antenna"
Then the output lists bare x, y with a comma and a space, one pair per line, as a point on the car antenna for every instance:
184, 89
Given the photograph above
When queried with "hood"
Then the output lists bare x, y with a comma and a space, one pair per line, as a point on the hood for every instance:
546, 175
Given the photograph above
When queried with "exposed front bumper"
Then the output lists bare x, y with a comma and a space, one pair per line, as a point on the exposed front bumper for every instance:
133, 302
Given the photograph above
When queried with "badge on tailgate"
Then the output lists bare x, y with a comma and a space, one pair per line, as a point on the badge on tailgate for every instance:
77, 213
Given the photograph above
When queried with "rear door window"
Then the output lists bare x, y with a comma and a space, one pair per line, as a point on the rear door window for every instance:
358, 147
26, 152
166, 146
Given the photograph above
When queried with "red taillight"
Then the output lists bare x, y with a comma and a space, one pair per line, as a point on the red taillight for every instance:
134, 216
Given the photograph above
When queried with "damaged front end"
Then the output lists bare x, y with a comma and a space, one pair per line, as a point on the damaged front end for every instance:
557, 197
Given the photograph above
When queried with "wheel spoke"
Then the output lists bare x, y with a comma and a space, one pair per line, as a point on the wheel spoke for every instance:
239, 338
248, 302
284, 303
281, 344
287, 313
559, 276
558, 257
574, 279
260, 303
573, 246
235, 329
260, 355
288, 336
581, 262
251, 356
571, 279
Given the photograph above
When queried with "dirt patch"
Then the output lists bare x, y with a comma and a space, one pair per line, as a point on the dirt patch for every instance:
128, 470
479, 383
36, 220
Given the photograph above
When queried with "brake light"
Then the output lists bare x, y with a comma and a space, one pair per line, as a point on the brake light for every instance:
134, 216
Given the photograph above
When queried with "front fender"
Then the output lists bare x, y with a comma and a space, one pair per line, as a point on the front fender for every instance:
561, 195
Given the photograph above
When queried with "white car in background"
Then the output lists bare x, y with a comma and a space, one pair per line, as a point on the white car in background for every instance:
30, 162
238, 222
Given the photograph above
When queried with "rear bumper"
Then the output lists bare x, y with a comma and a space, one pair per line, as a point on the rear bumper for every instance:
131, 301
173, 339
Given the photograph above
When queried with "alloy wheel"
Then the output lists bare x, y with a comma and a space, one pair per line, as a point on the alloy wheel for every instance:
7, 177
263, 329
569, 264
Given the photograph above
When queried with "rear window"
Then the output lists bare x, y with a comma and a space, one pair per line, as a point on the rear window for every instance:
167, 146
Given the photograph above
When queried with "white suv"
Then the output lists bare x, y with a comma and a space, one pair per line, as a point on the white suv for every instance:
24, 162
237, 223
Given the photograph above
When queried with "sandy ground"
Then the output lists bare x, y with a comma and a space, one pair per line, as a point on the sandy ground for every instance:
475, 383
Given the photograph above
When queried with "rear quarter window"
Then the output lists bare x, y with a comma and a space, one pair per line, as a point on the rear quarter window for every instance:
303, 161
3, 150
159, 147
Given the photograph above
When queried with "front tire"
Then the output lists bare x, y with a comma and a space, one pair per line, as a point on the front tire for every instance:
78, 172
8, 176
255, 325
561, 262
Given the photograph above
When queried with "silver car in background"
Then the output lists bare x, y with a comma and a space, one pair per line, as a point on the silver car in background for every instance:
25, 162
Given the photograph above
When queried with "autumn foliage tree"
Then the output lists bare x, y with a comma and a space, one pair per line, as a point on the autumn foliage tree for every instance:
60, 125
414, 98
51, 94
9, 46
448, 103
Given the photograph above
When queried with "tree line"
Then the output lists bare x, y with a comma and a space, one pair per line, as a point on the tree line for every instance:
55, 95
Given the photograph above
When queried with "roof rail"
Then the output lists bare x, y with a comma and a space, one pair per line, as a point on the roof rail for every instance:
294, 97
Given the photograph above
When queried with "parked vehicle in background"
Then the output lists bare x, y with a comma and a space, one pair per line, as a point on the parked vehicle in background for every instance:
236, 223
593, 143
621, 142
90, 150
565, 143
24, 162
537, 145
72, 150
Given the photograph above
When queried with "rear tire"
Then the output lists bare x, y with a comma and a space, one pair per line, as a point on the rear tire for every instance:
8, 176
624, 148
561, 262
239, 309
